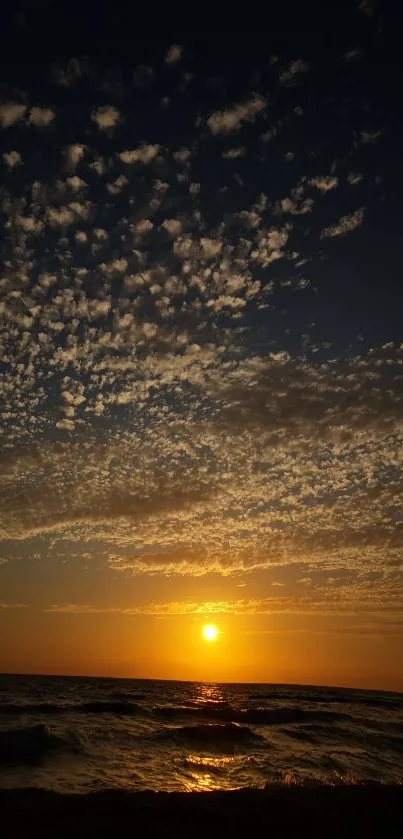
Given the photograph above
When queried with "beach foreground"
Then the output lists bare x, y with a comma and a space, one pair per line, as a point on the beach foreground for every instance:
367, 810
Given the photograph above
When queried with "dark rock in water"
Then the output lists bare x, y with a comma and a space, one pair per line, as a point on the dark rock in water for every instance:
24, 744
212, 736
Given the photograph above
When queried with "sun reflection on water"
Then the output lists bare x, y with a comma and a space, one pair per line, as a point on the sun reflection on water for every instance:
213, 771
210, 778
206, 694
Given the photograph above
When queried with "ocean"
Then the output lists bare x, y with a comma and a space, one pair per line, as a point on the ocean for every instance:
86, 735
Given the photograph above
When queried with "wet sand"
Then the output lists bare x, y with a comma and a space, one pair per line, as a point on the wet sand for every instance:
327, 812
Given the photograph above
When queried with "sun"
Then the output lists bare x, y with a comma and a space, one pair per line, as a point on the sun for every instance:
209, 632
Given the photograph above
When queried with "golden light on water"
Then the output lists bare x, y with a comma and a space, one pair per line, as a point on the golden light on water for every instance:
210, 632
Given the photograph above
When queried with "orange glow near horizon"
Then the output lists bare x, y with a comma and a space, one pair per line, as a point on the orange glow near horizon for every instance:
254, 648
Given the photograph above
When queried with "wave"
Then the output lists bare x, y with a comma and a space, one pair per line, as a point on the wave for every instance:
30, 744
212, 713
96, 707
394, 701
127, 696
31, 708
252, 716
211, 736
121, 708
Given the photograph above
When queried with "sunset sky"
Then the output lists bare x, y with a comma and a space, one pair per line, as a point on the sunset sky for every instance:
201, 357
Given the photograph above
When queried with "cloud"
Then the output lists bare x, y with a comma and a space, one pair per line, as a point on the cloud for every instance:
76, 68
143, 226
174, 54
29, 224
232, 119
12, 159
367, 7
159, 609
84, 609
354, 178
173, 226
13, 606
163, 394
74, 154
10, 113
118, 185
233, 154
352, 55
145, 154
171, 609
182, 155
76, 183
293, 73
324, 504
73, 398
65, 216
107, 116
371, 136
346, 224
296, 206
41, 117
65, 425
324, 183
356, 599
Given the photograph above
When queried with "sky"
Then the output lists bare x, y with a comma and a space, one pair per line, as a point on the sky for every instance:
201, 363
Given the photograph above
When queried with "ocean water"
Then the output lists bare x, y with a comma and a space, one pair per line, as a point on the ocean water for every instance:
87, 734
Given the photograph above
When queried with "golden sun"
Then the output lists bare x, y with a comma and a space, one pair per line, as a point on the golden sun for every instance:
209, 632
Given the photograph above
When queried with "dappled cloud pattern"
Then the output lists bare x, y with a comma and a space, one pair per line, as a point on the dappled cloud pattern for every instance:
171, 387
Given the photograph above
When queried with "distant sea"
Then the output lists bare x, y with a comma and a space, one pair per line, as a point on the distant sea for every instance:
90, 734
